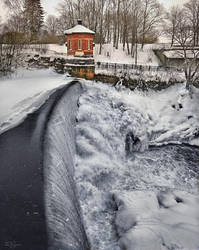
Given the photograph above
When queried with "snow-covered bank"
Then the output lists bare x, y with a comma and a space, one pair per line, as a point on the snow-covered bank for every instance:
149, 78
114, 128
112, 62
145, 56
24, 92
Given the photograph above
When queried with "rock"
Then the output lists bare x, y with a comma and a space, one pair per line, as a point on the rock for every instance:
132, 143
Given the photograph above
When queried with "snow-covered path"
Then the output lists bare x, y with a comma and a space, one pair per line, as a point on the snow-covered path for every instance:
107, 174
24, 92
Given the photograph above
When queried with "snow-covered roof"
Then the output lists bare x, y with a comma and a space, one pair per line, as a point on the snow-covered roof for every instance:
78, 29
178, 54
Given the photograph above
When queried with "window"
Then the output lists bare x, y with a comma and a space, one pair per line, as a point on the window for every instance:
70, 45
79, 44
89, 44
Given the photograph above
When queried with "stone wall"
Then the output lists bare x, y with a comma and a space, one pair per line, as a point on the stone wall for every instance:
134, 83
85, 68
79, 67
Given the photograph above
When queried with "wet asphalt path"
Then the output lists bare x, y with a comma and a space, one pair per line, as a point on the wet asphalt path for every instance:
22, 208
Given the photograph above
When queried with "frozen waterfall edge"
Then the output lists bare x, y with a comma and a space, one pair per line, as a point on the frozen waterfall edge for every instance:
64, 222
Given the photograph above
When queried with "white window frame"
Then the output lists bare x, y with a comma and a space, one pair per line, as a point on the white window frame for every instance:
89, 44
79, 44
70, 45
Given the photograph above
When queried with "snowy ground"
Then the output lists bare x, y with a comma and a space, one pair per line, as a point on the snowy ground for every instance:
129, 191
161, 76
24, 92
47, 49
146, 57
110, 54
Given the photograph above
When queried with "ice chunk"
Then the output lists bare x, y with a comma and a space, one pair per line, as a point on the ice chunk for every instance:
163, 220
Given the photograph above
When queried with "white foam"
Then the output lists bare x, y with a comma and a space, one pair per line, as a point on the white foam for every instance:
102, 169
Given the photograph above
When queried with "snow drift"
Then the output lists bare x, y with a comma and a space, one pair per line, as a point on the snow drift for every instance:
157, 220
25, 92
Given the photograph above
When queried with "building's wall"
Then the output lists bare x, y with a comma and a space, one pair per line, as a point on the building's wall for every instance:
169, 62
87, 72
84, 38
161, 57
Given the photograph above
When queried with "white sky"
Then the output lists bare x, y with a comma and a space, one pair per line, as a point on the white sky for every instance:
170, 3
50, 5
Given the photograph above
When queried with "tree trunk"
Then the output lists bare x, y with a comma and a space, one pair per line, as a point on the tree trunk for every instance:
118, 26
101, 28
127, 42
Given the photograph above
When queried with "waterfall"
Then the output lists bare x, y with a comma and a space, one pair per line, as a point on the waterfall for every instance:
64, 221
117, 171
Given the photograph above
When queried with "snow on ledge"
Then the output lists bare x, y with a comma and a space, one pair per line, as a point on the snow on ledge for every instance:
147, 220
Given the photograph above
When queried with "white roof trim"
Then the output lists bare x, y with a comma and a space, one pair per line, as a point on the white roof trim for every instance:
78, 29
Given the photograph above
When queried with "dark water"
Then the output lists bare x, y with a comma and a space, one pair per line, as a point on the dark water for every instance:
23, 217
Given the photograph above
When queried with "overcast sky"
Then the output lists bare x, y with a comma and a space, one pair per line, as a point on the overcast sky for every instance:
50, 6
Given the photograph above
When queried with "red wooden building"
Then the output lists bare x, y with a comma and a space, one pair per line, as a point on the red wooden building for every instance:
80, 41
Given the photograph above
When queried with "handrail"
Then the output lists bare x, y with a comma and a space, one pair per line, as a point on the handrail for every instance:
123, 67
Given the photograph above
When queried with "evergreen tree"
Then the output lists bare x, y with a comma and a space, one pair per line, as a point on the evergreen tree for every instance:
33, 15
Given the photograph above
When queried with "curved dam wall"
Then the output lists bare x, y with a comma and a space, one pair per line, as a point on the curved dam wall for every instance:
64, 222
39, 209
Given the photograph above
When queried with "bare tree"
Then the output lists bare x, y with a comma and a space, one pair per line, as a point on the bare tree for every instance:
192, 12
117, 21
16, 7
16, 20
52, 24
67, 13
136, 27
12, 39
173, 17
10, 52
102, 6
126, 8
152, 13
1, 25
115, 7
183, 36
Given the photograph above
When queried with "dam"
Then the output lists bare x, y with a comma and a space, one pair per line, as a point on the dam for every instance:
67, 182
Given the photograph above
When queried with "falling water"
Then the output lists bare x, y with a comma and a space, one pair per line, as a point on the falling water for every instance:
64, 222
114, 156
110, 139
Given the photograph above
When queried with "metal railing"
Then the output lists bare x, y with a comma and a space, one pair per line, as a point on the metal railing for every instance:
129, 67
